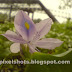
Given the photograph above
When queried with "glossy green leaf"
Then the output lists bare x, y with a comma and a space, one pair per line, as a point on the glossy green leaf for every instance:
51, 67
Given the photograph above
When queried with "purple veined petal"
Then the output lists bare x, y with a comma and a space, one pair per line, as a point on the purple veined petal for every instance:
18, 33
24, 25
15, 48
43, 28
42, 23
32, 48
10, 35
49, 43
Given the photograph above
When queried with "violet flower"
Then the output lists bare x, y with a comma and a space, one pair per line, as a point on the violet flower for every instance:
30, 34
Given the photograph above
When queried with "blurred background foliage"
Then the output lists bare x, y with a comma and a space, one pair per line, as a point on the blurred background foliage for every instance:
65, 4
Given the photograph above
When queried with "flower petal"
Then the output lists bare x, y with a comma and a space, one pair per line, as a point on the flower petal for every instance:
24, 25
32, 48
49, 43
43, 28
10, 35
15, 48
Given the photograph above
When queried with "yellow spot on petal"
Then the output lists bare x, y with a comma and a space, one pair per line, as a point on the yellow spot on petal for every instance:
27, 26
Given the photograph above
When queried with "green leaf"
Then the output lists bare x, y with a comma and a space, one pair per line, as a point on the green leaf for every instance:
51, 67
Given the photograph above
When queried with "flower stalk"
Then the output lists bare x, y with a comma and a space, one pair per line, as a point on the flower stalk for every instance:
24, 51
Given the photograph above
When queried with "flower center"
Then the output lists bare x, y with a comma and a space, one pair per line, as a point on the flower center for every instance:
27, 26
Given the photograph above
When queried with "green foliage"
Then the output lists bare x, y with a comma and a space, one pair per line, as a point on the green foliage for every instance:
37, 20
50, 67
59, 31
3, 17
4, 43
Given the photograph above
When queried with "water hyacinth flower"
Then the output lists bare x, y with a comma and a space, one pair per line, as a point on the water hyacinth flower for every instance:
29, 33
